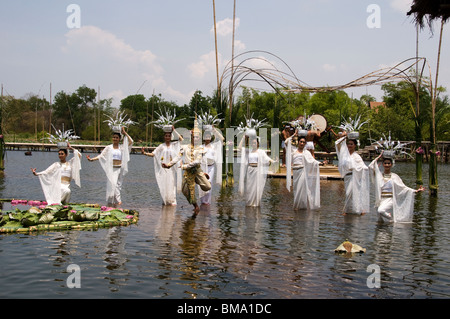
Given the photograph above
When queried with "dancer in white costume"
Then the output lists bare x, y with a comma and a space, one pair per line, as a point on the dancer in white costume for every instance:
393, 199
55, 180
306, 173
168, 180
356, 176
253, 174
212, 161
114, 161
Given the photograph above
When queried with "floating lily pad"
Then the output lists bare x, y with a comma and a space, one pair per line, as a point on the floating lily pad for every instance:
59, 217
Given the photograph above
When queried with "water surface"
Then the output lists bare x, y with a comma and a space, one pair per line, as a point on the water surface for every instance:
229, 250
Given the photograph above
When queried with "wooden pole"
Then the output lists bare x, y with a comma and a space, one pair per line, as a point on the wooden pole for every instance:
2, 150
433, 182
217, 58
95, 119
2, 139
232, 61
98, 116
418, 128
51, 111
153, 108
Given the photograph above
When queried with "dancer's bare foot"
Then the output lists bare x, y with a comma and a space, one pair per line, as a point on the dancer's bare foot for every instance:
196, 210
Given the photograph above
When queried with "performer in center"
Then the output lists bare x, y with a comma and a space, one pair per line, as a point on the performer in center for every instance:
305, 170
191, 156
168, 180
356, 174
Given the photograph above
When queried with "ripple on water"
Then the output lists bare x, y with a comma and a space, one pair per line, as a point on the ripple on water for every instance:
228, 251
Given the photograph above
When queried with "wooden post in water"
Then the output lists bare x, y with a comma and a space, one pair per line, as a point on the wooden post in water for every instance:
418, 122
433, 181
2, 140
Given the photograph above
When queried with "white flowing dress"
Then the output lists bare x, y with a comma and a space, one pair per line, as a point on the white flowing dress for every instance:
252, 178
211, 164
55, 180
168, 179
393, 199
306, 177
356, 179
115, 174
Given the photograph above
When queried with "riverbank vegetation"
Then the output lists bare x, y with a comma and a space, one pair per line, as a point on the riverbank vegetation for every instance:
31, 117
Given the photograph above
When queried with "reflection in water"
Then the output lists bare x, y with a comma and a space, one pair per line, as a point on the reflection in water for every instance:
229, 250
166, 222
115, 257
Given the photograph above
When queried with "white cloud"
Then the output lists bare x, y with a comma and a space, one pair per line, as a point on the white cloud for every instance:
402, 6
116, 95
95, 43
93, 53
225, 26
328, 67
239, 46
207, 63
169, 93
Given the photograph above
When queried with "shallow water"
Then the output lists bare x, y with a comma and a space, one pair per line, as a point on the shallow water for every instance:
229, 250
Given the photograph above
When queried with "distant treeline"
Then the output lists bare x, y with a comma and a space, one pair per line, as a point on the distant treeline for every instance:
31, 116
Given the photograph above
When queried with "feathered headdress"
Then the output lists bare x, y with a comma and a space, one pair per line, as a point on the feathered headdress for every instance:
166, 120
61, 137
208, 119
119, 122
391, 148
251, 125
303, 124
351, 125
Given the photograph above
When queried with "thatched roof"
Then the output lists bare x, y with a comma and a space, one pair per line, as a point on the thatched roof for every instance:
374, 105
429, 10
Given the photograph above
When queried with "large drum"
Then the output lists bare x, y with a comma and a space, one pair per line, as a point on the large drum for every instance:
320, 120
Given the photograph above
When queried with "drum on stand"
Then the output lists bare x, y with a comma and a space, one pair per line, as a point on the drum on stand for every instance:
320, 120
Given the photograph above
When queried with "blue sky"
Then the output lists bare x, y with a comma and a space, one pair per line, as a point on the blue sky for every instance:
167, 47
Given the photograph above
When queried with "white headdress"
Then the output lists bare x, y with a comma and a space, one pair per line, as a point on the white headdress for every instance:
61, 137
250, 127
391, 148
303, 125
206, 121
299, 126
166, 120
352, 127
119, 122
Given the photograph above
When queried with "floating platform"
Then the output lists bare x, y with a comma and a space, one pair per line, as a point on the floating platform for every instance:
327, 172
40, 217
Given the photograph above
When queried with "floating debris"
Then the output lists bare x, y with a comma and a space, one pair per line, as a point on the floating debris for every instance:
348, 247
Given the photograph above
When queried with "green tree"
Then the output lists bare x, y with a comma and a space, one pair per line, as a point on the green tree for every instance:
74, 111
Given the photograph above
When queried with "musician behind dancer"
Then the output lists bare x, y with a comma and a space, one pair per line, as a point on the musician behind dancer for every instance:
314, 138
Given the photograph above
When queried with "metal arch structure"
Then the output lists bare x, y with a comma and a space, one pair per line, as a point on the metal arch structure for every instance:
285, 80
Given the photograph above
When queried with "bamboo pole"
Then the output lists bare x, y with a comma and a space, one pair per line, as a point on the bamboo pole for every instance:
2, 141
230, 173
418, 126
51, 111
433, 181
232, 59
151, 126
215, 40
95, 119
99, 123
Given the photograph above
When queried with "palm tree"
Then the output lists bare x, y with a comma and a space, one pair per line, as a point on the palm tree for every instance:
428, 11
